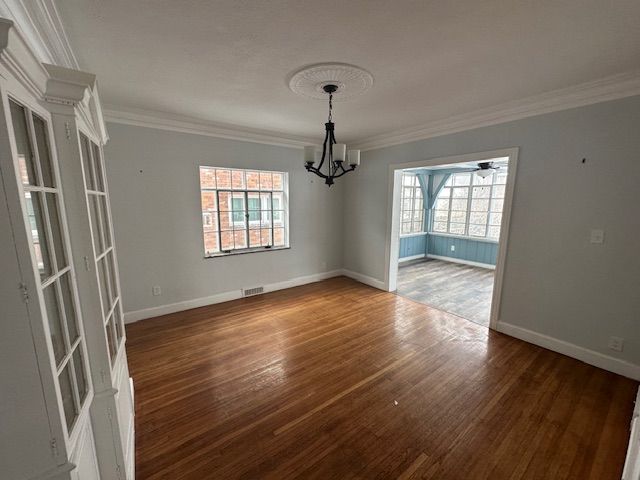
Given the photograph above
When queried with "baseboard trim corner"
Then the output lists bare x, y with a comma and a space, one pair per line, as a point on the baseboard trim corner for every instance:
412, 258
367, 280
137, 315
600, 360
462, 261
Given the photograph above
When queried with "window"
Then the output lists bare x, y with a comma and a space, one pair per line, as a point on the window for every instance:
243, 210
471, 206
46, 225
412, 206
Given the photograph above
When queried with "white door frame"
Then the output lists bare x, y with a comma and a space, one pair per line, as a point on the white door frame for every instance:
393, 217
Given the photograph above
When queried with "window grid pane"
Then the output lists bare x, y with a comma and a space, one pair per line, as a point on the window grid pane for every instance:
242, 209
470, 205
411, 205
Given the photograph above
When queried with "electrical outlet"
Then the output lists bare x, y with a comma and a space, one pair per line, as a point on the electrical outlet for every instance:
616, 343
157, 291
453, 248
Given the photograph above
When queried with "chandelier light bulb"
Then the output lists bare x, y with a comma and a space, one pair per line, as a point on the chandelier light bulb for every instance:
309, 155
339, 152
354, 158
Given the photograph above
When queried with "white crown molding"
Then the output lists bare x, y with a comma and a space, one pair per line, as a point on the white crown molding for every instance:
40, 23
177, 123
605, 89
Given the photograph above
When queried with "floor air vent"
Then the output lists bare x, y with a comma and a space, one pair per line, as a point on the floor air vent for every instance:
248, 292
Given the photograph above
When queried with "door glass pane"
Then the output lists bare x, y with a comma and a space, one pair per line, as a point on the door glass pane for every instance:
69, 308
117, 319
86, 163
78, 365
66, 392
33, 202
112, 274
111, 339
42, 142
97, 164
25, 154
55, 321
96, 225
103, 287
102, 199
56, 230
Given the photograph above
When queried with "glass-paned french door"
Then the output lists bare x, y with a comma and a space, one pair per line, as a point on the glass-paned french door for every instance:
104, 255
43, 208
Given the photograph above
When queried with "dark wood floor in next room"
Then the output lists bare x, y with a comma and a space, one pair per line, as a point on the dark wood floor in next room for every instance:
337, 380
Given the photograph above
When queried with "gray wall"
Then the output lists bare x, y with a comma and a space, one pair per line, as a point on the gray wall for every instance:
556, 282
155, 199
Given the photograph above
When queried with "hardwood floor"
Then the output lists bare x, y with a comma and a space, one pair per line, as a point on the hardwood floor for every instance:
337, 380
463, 290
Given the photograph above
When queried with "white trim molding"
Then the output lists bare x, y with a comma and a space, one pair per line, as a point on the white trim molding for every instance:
366, 279
40, 23
602, 90
412, 258
606, 362
136, 315
462, 261
182, 124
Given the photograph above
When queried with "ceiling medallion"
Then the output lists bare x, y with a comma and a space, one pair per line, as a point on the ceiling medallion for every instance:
311, 80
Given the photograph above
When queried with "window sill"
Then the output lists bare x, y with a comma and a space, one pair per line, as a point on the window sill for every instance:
246, 250
464, 237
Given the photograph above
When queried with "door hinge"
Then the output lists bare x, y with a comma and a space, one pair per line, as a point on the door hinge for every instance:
67, 129
109, 413
25, 292
86, 263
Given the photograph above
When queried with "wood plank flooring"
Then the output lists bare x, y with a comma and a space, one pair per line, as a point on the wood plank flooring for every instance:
463, 290
337, 380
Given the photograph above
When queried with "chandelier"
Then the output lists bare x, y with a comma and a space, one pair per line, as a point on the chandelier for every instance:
334, 155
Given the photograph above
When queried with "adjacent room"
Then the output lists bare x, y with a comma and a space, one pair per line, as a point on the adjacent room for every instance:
297, 240
450, 222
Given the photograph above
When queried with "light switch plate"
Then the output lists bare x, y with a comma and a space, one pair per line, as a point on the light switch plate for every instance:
597, 236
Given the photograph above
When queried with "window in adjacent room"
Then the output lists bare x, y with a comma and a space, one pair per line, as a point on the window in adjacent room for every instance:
243, 210
471, 206
411, 206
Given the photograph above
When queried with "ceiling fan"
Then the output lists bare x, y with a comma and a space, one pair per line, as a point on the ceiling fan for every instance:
485, 169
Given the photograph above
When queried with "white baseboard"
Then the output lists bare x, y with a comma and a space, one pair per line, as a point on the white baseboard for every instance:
367, 280
412, 257
464, 262
591, 357
136, 315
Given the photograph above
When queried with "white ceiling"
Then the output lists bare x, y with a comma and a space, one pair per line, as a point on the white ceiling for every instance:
227, 61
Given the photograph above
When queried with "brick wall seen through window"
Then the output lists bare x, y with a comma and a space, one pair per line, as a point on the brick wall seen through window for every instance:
243, 210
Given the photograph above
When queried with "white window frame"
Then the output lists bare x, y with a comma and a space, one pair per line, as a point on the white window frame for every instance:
414, 188
450, 184
245, 225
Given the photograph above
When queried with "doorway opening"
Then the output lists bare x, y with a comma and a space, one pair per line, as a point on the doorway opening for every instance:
449, 224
